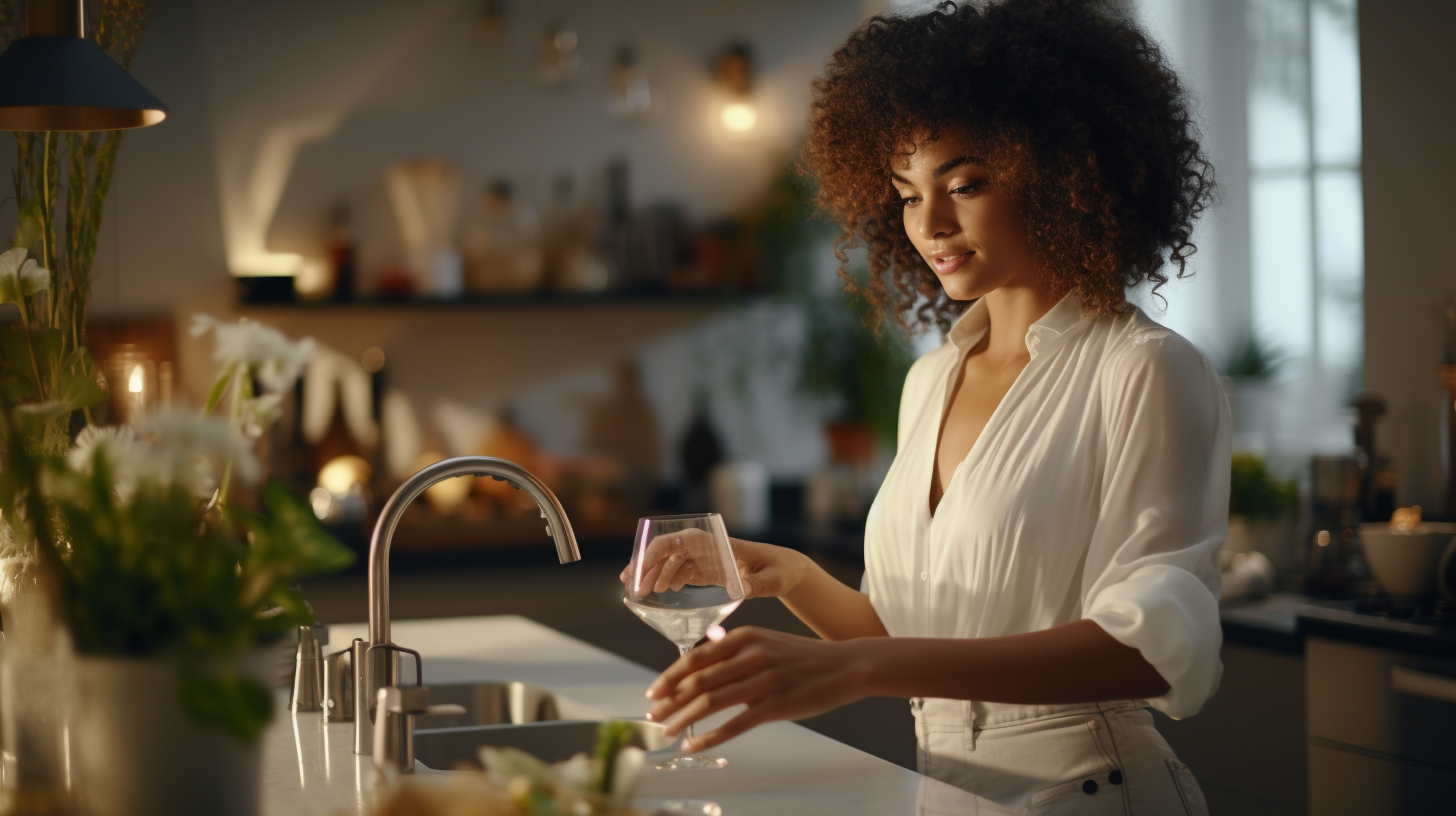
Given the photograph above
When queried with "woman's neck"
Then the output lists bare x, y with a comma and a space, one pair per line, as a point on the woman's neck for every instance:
1011, 309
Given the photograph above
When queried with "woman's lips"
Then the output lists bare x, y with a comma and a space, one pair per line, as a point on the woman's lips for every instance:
946, 264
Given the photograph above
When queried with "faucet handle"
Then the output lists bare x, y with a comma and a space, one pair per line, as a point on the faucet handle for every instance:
394, 747
394, 647
338, 686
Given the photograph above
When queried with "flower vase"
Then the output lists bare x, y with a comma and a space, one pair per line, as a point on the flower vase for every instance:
140, 754
36, 694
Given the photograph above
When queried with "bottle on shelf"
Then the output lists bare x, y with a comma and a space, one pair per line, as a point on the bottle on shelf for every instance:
502, 244
571, 264
341, 252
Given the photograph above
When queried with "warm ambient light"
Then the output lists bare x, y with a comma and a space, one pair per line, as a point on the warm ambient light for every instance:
739, 116
135, 382
341, 474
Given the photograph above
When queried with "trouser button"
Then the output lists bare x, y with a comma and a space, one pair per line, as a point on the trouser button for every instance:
1089, 787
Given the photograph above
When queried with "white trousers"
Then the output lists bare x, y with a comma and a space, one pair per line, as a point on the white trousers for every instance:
1090, 759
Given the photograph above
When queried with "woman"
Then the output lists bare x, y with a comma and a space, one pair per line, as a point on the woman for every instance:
1042, 559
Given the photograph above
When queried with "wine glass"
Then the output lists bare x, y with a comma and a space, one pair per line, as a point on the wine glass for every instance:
683, 580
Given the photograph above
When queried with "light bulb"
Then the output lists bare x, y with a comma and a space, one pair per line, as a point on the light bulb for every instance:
135, 382
739, 116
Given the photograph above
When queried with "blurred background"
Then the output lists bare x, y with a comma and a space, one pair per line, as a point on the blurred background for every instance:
569, 234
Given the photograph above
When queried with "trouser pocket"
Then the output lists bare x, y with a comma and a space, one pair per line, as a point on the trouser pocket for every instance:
1093, 795
1096, 794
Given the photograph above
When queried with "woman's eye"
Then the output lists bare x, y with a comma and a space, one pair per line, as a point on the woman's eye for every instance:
909, 200
969, 188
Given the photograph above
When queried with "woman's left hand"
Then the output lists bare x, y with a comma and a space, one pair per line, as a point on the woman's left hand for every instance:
776, 675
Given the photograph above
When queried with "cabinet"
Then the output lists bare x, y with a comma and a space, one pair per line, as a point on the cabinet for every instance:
1382, 730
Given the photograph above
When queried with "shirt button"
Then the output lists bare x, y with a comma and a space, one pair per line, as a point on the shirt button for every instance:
924, 576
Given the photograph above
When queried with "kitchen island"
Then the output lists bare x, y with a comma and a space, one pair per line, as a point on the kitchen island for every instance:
309, 768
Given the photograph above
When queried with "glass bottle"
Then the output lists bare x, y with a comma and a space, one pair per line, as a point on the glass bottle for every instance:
502, 245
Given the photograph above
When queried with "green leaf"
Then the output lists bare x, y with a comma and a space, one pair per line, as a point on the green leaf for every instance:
238, 705
24, 354
28, 226
77, 391
310, 548
215, 395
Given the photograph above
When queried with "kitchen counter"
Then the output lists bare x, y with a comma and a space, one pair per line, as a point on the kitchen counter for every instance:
1270, 622
1338, 620
309, 767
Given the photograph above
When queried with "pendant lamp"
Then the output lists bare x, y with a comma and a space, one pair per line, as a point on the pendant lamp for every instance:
55, 78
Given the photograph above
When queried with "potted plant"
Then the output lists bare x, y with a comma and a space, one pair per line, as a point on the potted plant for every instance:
1249, 370
175, 583
853, 372
1261, 512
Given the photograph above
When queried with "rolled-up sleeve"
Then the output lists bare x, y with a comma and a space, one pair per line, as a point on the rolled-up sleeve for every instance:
1152, 571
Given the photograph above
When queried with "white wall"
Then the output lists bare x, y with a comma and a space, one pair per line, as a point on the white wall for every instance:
280, 108
1408, 83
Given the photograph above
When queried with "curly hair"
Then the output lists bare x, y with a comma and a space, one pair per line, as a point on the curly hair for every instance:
1073, 109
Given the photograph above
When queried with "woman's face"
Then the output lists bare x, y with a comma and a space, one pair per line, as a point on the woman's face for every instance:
967, 229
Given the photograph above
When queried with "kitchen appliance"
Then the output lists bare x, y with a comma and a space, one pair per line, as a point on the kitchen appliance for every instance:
1335, 519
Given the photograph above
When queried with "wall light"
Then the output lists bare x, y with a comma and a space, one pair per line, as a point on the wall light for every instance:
55, 78
631, 92
735, 78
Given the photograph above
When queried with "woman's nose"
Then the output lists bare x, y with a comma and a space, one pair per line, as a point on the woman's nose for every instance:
937, 219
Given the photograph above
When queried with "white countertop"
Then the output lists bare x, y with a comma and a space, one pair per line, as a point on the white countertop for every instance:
309, 768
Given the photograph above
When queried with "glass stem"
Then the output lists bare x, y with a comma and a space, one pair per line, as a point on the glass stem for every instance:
688, 732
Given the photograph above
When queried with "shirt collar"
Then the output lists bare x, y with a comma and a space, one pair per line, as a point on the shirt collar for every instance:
972, 325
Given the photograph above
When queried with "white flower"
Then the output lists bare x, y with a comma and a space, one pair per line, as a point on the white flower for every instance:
20, 277
126, 454
260, 412
189, 450
270, 356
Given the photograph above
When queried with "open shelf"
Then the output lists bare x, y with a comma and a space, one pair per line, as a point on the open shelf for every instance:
529, 299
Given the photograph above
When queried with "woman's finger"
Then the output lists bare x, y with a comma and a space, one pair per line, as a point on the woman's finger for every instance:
696, 659
670, 567
645, 584
707, 679
755, 715
687, 574
711, 702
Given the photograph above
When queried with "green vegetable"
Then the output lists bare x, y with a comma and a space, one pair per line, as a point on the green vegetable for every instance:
1255, 494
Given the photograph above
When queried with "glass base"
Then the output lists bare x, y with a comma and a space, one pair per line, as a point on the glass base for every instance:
655, 806
692, 762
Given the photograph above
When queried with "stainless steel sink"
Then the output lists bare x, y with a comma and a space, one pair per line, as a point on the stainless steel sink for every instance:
446, 749
490, 704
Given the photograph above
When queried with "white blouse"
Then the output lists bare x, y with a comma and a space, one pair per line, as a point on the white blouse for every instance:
1098, 489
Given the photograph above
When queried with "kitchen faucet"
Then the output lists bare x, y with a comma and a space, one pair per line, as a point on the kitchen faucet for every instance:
376, 662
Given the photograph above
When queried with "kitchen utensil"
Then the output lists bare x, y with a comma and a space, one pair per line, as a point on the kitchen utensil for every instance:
1407, 564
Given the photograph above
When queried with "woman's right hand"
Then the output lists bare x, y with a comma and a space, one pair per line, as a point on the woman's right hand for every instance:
765, 571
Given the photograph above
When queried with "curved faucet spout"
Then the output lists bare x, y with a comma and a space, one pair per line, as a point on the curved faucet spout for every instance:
556, 524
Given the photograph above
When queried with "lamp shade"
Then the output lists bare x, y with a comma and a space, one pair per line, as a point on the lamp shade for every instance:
69, 83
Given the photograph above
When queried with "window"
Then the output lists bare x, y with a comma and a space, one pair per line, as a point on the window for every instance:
1305, 209
1276, 87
